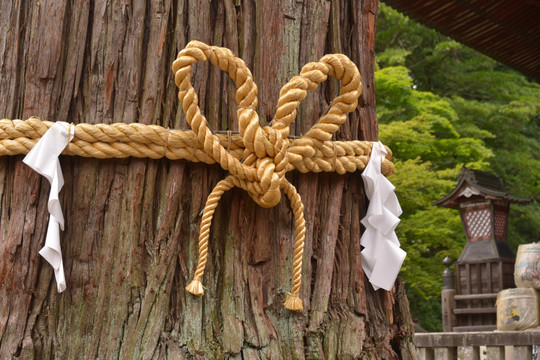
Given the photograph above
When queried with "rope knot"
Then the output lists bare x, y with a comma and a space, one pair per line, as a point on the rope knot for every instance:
270, 167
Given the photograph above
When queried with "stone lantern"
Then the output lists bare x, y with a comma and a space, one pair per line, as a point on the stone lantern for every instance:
486, 264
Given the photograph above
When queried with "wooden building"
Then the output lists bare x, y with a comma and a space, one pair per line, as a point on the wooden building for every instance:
507, 31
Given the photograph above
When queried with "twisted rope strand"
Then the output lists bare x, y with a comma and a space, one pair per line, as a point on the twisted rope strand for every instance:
195, 287
292, 300
257, 158
18, 137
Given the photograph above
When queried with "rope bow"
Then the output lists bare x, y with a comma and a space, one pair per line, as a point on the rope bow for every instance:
266, 156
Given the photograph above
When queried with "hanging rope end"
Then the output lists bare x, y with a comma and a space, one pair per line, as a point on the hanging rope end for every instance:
195, 287
293, 302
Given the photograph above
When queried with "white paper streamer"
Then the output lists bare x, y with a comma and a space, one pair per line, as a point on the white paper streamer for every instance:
381, 257
43, 158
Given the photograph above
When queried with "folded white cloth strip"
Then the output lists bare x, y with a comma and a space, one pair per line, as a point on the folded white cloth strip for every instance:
43, 158
381, 257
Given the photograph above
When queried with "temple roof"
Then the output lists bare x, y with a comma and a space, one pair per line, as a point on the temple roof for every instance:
507, 31
479, 184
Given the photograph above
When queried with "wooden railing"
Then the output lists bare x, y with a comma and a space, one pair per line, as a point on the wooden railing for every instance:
496, 345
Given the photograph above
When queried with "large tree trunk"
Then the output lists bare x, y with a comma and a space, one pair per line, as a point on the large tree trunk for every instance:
131, 233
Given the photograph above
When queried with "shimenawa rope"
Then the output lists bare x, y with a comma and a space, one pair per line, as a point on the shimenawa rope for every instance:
257, 159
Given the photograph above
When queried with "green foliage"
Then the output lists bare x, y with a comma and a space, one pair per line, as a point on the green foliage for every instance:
393, 57
442, 106
421, 124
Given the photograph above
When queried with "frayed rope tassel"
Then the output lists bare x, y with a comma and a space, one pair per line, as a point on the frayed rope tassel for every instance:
293, 302
195, 287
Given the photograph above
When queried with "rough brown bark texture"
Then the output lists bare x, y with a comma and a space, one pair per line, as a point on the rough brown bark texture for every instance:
131, 225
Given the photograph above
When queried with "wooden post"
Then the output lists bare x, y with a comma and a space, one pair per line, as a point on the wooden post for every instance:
447, 296
522, 352
425, 354
468, 353
495, 352
445, 353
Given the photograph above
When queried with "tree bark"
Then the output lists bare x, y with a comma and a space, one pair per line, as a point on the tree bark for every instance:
130, 243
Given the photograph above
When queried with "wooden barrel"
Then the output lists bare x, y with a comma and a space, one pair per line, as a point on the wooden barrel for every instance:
517, 309
527, 268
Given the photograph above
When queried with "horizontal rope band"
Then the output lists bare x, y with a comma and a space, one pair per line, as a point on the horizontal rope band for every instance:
103, 141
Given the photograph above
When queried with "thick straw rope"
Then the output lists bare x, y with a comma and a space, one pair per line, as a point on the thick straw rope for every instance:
121, 140
257, 158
